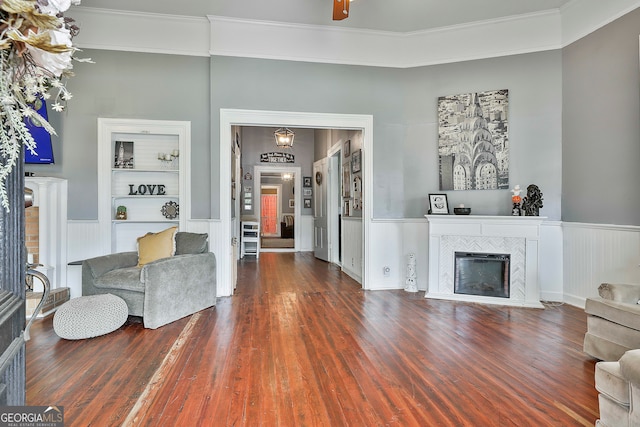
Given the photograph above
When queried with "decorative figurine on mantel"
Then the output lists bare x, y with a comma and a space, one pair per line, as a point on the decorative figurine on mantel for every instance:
533, 201
516, 199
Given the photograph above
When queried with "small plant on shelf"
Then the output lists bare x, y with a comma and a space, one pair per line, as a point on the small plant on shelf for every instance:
121, 212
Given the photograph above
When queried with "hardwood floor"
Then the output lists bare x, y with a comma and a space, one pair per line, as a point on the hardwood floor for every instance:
300, 344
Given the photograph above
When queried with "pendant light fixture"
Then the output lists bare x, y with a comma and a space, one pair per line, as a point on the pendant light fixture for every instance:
284, 137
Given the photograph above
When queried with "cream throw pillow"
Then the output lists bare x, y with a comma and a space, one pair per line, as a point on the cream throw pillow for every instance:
153, 246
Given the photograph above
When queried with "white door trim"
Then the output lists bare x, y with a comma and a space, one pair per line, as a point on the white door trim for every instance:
229, 117
278, 188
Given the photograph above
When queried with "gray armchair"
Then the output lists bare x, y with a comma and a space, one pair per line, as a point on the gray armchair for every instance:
613, 321
161, 291
618, 385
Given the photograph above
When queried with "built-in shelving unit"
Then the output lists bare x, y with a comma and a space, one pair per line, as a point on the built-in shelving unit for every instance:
142, 166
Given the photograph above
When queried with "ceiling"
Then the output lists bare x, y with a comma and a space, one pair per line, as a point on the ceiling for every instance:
385, 15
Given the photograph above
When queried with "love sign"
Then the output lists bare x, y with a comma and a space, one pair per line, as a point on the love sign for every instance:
147, 190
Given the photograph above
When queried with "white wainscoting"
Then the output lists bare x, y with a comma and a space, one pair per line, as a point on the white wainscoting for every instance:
306, 233
392, 242
596, 253
394, 239
84, 241
352, 247
550, 261
574, 257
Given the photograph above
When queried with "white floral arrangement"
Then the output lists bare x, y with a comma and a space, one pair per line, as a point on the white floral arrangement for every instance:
36, 53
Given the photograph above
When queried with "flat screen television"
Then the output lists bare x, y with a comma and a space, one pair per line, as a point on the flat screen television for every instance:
44, 148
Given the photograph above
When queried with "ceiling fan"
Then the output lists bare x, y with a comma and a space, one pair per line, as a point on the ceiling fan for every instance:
340, 9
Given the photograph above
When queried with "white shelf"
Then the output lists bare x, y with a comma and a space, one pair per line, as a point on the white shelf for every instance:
164, 196
137, 188
119, 170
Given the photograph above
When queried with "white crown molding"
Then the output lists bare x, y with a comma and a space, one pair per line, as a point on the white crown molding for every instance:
140, 32
582, 17
216, 35
315, 43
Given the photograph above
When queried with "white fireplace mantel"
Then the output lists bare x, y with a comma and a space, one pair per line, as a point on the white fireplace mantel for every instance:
517, 236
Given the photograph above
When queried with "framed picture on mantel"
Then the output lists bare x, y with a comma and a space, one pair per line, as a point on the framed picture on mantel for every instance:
438, 204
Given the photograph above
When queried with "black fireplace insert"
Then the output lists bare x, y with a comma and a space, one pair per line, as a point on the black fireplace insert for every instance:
482, 274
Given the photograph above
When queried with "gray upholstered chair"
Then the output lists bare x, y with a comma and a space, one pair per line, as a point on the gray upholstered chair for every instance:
618, 385
613, 321
161, 291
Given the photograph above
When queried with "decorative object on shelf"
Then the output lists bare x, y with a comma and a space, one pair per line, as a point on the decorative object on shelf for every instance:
318, 177
170, 210
121, 212
357, 193
438, 204
284, 137
516, 210
532, 203
410, 282
36, 55
275, 157
346, 180
355, 161
123, 155
473, 153
461, 210
148, 190
306, 181
169, 160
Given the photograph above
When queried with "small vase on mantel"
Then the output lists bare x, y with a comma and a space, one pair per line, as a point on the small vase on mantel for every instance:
516, 210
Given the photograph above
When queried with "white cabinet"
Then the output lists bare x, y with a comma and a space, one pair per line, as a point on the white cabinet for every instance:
143, 168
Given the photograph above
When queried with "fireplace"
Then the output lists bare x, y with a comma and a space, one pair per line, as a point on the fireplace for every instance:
513, 236
482, 274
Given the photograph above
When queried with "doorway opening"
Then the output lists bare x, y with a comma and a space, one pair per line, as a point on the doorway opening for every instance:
233, 117
276, 207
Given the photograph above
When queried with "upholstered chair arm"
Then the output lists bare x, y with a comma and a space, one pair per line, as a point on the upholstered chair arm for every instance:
178, 286
103, 264
630, 366
93, 268
620, 292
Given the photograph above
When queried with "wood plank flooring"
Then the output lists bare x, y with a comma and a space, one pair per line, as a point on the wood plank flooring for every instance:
300, 344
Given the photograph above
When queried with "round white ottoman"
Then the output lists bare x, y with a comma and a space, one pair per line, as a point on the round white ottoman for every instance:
90, 316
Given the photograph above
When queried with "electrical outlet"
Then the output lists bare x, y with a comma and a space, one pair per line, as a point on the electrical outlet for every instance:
386, 270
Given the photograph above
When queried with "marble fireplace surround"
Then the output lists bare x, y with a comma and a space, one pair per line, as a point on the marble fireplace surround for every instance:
516, 236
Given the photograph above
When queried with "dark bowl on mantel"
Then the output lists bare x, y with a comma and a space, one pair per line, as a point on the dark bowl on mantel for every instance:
462, 211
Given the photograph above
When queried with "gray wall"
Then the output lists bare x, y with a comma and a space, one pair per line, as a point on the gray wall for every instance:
129, 85
403, 104
601, 125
